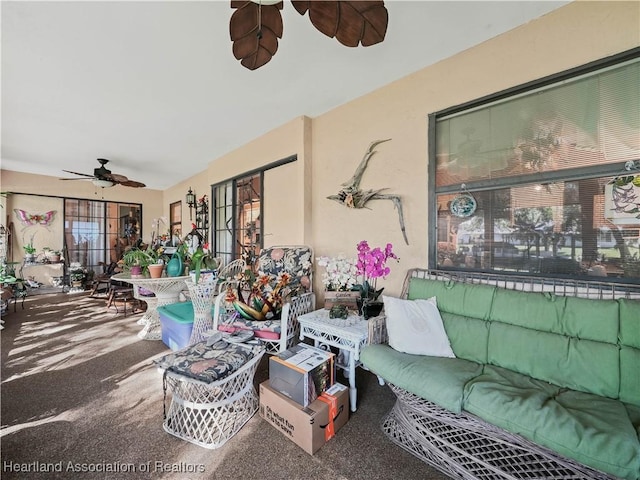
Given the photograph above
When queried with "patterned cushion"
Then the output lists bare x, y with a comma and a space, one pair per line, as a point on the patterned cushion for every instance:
295, 260
267, 329
207, 363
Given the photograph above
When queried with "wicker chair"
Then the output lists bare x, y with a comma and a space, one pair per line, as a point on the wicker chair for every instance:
297, 260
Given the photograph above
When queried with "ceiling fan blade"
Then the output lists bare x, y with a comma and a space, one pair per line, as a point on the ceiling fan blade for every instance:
76, 173
254, 31
114, 177
350, 22
88, 178
122, 180
132, 183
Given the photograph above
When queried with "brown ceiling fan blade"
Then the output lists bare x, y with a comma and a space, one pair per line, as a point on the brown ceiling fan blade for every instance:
114, 177
87, 178
350, 22
122, 180
255, 33
76, 173
132, 183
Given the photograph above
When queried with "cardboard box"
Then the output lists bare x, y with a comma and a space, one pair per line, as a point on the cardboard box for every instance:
302, 373
309, 427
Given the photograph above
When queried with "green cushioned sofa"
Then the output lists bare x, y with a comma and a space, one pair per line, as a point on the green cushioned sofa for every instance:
545, 384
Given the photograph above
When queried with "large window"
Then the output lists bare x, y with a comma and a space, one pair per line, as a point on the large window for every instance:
544, 179
99, 231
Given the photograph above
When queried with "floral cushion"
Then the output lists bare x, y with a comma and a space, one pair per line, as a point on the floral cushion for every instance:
296, 260
267, 329
207, 363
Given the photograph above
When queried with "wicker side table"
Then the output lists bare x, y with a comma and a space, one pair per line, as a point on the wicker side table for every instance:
349, 336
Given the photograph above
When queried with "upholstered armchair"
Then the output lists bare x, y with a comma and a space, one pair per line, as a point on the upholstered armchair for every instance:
276, 335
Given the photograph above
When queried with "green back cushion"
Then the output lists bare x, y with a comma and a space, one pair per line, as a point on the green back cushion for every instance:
591, 319
630, 351
468, 336
568, 341
452, 297
538, 311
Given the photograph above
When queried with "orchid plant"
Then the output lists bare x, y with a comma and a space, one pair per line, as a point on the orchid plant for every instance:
340, 273
371, 265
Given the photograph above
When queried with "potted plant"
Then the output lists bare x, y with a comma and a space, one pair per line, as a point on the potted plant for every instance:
30, 253
339, 280
203, 263
136, 261
371, 265
77, 276
53, 256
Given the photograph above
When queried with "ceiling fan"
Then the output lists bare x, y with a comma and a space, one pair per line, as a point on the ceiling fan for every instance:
256, 25
102, 177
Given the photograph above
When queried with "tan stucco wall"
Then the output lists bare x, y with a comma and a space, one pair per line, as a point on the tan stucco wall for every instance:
330, 146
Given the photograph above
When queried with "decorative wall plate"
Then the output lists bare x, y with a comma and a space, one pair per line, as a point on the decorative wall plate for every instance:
464, 205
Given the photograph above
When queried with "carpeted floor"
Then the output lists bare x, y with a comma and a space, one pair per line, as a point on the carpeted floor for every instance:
79, 394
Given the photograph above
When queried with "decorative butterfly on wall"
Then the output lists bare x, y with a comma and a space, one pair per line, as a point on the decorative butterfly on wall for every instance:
256, 25
29, 220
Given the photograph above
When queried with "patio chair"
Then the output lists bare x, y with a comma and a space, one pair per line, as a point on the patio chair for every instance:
276, 335
102, 282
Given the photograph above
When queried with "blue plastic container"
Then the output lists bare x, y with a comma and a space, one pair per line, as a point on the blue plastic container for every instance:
176, 320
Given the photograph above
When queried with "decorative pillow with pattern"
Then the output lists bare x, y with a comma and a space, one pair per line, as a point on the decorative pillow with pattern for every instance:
295, 260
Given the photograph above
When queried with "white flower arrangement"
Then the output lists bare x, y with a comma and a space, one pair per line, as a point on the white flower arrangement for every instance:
340, 273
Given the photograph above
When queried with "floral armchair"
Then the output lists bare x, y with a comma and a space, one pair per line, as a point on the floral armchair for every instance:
276, 335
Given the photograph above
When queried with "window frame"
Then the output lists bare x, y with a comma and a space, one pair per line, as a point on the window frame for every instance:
215, 208
574, 174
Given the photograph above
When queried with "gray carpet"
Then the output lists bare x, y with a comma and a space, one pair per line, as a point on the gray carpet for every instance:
79, 393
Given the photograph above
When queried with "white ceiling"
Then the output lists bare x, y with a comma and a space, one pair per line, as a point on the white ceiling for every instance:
154, 87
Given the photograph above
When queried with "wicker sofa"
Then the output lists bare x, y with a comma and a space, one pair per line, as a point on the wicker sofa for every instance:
544, 385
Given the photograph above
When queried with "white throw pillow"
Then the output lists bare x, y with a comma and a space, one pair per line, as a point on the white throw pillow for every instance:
415, 326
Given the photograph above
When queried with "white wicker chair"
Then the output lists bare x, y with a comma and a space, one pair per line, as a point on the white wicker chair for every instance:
297, 260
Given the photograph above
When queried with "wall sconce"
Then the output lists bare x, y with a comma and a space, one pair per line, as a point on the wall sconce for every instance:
191, 202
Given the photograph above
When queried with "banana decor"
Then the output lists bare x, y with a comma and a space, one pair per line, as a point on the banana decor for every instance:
256, 25
265, 299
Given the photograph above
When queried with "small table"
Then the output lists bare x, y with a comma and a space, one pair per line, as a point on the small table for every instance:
348, 338
166, 289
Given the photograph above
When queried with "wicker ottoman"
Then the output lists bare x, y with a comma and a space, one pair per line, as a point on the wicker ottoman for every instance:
212, 392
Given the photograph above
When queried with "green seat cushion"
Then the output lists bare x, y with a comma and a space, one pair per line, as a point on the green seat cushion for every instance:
438, 379
593, 430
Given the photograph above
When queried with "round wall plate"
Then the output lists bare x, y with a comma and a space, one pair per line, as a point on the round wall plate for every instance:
463, 205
